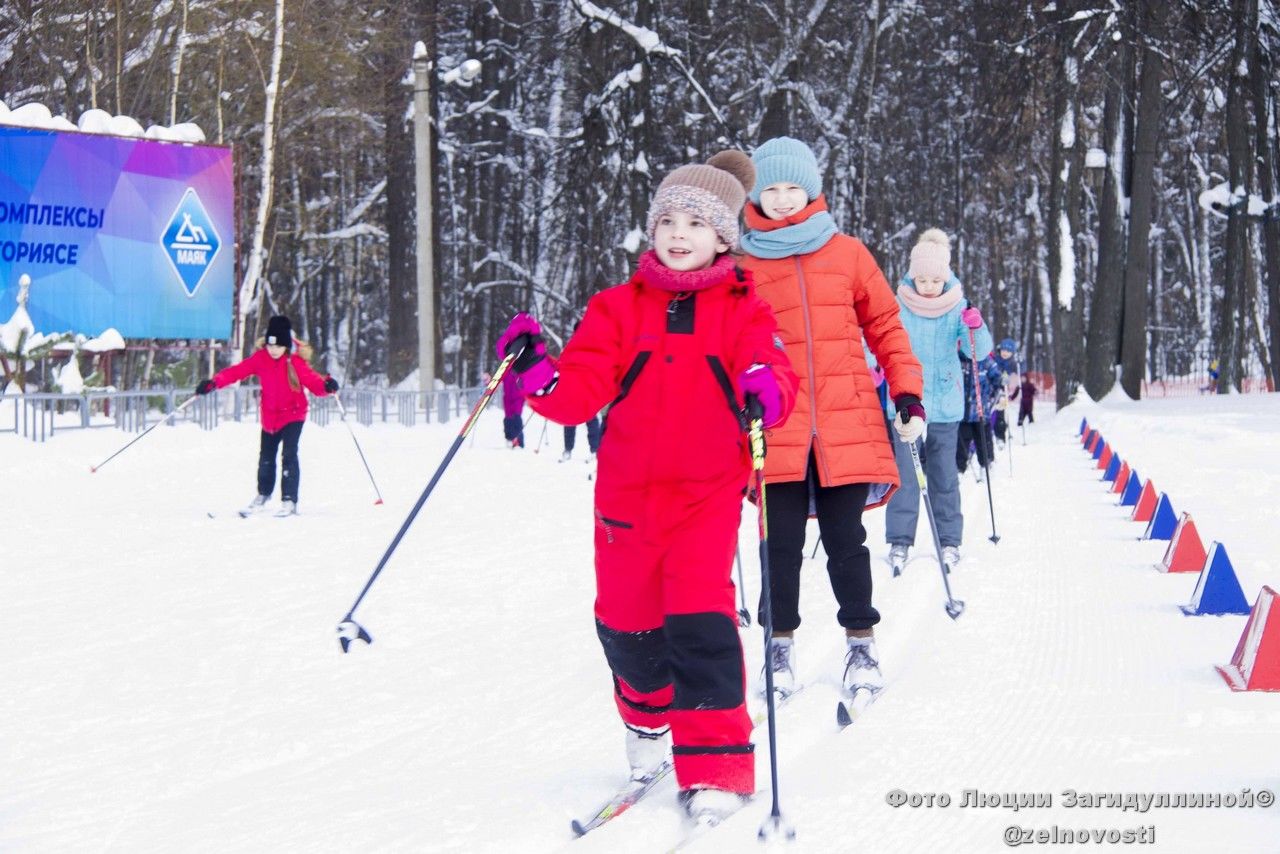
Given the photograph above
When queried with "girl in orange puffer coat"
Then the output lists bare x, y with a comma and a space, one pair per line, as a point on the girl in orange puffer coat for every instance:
832, 454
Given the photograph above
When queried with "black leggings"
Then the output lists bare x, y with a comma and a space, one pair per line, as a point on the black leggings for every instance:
289, 476
839, 510
973, 431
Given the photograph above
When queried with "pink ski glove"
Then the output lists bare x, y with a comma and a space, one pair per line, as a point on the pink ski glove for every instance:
972, 318
758, 381
535, 373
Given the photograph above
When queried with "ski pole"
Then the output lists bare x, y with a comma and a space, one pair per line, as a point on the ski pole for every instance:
349, 629
982, 433
343, 412
954, 606
542, 437
744, 616
774, 823
814, 556
178, 409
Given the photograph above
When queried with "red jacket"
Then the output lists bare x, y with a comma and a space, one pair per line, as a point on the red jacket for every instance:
667, 361
281, 403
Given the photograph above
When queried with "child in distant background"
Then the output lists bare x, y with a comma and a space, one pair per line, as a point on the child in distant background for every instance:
1026, 406
512, 410
283, 374
973, 429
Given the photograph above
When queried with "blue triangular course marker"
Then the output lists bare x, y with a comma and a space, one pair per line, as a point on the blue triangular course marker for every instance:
1163, 522
1084, 425
1218, 590
1132, 490
1097, 452
1113, 469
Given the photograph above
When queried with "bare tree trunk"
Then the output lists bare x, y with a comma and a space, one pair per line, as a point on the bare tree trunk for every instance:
402, 295
1064, 194
1103, 352
176, 69
1133, 335
1261, 73
257, 252
1231, 332
119, 78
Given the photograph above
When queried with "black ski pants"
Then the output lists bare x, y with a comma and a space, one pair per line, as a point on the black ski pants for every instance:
287, 436
593, 435
839, 511
980, 434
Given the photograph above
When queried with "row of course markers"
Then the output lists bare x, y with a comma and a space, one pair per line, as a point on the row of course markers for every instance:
1255, 666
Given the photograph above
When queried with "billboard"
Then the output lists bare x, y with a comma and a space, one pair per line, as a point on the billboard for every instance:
134, 234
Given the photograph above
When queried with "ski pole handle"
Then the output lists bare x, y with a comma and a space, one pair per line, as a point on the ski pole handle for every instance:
915, 461
755, 430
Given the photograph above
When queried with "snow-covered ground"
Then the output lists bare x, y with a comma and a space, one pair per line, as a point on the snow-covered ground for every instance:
173, 681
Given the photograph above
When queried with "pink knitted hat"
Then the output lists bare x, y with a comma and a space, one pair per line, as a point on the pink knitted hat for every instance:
931, 256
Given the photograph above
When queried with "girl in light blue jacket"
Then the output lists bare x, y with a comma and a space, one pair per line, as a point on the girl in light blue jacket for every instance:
938, 320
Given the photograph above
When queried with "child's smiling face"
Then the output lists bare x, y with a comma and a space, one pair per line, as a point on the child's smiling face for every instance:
686, 242
275, 351
779, 201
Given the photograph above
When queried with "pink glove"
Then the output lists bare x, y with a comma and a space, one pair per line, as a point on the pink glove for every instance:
521, 324
758, 381
971, 317
535, 373
877, 374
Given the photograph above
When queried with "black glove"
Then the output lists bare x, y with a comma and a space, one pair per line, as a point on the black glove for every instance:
330, 385
206, 386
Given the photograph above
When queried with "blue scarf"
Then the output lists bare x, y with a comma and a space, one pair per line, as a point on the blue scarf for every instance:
799, 239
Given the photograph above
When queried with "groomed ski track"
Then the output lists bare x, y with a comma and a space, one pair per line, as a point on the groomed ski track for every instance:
175, 681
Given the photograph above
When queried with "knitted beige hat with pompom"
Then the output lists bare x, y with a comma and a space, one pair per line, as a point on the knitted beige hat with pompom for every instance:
715, 191
931, 256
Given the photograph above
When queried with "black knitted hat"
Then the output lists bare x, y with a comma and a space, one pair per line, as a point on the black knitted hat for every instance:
280, 332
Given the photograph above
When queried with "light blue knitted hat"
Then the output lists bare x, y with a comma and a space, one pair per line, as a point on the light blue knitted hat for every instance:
786, 160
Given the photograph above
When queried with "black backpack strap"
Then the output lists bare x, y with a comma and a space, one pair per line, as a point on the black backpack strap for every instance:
731, 397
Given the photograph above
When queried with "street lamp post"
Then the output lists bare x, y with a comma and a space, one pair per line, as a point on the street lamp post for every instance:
422, 70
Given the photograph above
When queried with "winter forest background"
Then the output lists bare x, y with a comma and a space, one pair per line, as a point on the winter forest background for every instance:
1108, 168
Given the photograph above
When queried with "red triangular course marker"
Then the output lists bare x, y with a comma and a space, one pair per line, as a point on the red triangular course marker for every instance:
1146, 506
1105, 459
1185, 552
1256, 663
1122, 477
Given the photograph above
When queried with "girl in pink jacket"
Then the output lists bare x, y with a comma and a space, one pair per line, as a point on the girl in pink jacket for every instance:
283, 375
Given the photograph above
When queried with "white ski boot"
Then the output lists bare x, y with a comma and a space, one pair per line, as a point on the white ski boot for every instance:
781, 662
287, 508
566, 456
898, 558
950, 557
710, 806
255, 506
862, 666
647, 749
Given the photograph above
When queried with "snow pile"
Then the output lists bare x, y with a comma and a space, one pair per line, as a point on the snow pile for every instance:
35, 115
12, 329
69, 379
111, 339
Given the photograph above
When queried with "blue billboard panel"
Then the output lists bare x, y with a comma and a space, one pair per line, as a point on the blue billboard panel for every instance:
132, 234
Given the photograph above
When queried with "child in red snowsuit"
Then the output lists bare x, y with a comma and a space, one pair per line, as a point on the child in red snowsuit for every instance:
283, 374
674, 351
